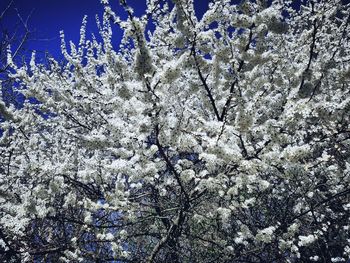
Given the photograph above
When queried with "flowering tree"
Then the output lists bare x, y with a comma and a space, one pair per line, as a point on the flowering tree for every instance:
220, 139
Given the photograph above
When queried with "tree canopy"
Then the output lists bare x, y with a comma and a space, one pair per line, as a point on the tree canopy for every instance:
217, 139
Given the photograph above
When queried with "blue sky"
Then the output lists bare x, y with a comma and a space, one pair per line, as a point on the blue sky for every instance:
48, 17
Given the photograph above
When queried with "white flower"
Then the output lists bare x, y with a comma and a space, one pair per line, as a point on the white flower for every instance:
266, 235
264, 184
123, 233
224, 213
109, 236
306, 240
188, 175
314, 258
338, 259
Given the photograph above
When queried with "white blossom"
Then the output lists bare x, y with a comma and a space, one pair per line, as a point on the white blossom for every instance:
221, 138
